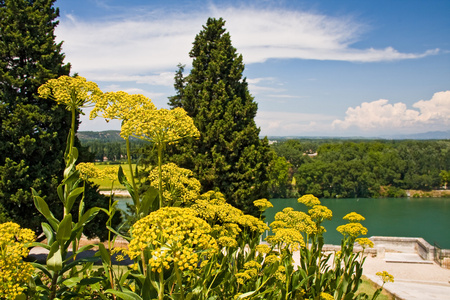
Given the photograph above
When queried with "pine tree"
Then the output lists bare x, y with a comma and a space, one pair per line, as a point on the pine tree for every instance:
33, 131
229, 156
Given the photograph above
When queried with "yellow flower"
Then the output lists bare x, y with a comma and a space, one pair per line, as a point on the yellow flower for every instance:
212, 207
354, 217
178, 184
88, 170
173, 236
320, 213
120, 105
270, 259
309, 200
385, 276
14, 272
160, 126
74, 92
364, 242
263, 249
326, 296
262, 204
352, 229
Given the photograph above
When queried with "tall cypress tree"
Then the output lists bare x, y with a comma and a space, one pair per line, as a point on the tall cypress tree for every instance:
33, 131
229, 156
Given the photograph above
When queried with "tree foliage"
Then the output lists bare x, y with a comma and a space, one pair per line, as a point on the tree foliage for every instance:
228, 156
33, 131
367, 168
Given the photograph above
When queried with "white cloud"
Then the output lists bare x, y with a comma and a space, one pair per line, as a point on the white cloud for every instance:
287, 123
433, 114
139, 47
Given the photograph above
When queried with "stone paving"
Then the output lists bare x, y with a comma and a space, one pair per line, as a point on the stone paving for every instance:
414, 278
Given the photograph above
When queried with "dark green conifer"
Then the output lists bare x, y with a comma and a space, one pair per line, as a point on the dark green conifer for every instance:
229, 156
33, 131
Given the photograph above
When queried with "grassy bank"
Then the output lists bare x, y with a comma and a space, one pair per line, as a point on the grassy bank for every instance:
105, 184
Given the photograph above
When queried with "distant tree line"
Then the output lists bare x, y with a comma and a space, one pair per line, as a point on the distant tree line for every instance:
112, 151
338, 168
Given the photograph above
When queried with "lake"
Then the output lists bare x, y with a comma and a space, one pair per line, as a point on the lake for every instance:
428, 218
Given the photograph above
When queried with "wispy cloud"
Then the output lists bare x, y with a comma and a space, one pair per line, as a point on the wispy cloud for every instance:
286, 123
433, 114
144, 47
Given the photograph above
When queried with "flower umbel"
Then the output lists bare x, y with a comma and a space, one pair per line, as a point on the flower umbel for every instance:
74, 92
14, 272
309, 200
172, 236
385, 276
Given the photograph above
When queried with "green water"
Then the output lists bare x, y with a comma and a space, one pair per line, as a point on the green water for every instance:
428, 218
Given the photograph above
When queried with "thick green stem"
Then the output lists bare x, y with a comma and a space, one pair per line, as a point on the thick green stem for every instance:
161, 286
133, 182
53, 286
179, 281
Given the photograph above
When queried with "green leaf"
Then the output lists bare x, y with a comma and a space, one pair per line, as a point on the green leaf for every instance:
124, 181
147, 200
126, 295
54, 258
64, 229
72, 197
42, 207
87, 217
49, 233
245, 295
106, 258
70, 164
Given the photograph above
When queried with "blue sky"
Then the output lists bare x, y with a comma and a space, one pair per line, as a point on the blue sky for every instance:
315, 68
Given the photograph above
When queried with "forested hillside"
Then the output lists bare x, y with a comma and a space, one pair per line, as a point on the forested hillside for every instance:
109, 145
361, 168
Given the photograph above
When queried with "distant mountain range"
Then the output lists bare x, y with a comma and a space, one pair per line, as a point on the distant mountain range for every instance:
114, 136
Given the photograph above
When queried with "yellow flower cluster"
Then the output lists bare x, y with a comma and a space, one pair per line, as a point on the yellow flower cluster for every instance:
74, 92
159, 126
364, 242
385, 276
173, 236
289, 226
120, 105
89, 171
354, 217
178, 184
263, 249
309, 200
326, 296
272, 258
280, 274
251, 270
225, 219
14, 272
320, 213
262, 204
353, 228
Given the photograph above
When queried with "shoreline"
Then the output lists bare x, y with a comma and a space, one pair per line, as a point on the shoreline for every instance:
411, 194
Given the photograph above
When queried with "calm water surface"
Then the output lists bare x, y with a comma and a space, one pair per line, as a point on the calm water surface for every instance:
428, 218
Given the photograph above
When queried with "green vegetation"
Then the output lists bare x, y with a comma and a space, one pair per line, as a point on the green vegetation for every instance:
33, 131
104, 184
184, 244
229, 156
368, 287
362, 168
